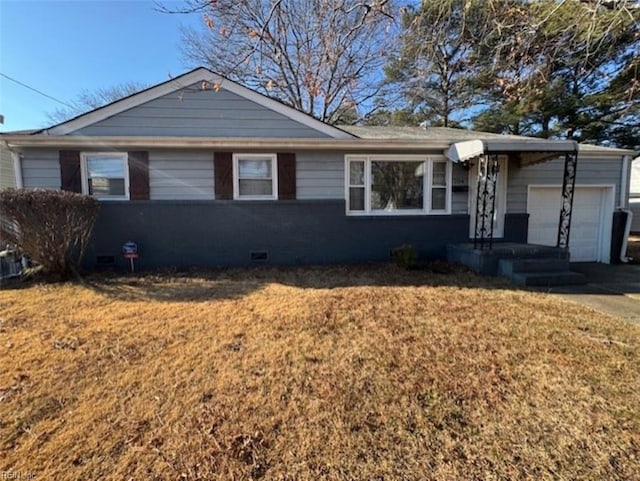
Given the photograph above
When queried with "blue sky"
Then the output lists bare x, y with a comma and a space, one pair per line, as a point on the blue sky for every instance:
63, 47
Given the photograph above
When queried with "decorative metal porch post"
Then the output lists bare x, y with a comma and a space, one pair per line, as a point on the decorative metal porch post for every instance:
568, 186
488, 168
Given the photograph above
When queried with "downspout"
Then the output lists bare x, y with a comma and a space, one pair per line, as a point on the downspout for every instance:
625, 239
625, 179
17, 167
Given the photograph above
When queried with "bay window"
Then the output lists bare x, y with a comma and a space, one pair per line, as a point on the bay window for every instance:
382, 184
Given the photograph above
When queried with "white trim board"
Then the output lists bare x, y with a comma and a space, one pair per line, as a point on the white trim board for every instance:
58, 142
200, 74
17, 169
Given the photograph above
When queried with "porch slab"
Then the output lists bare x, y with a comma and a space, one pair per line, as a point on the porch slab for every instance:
486, 261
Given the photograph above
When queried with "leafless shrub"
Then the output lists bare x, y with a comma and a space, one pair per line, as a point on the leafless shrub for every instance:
51, 227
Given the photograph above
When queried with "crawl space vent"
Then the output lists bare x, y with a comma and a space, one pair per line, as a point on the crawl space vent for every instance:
257, 256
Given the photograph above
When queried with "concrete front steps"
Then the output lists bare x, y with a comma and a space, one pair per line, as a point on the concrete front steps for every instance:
525, 264
540, 272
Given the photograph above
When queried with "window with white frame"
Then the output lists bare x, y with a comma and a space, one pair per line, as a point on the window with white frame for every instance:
255, 176
105, 175
383, 184
439, 186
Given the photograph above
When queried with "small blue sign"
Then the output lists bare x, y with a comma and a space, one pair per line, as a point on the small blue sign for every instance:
130, 250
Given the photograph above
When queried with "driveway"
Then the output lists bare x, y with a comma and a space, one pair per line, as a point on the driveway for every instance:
612, 288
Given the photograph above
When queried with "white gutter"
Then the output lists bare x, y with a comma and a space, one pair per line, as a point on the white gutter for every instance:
226, 143
625, 180
17, 167
625, 239
253, 143
530, 151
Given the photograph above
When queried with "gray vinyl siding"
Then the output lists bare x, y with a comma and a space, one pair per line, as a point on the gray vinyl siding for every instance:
196, 112
634, 206
41, 168
459, 203
590, 172
7, 177
181, 175
320, 175
634, 186
634, 195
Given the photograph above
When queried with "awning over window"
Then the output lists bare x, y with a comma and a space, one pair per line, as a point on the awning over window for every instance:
526, 151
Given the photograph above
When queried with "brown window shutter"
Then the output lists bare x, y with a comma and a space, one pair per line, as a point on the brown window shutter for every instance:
223, 173
139, 175
286, 176
70, 178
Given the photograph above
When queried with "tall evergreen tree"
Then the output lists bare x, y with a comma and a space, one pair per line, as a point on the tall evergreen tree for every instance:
548, 68
566, 69
434, 67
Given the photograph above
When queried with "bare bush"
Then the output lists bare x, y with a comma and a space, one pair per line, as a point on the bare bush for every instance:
51, 227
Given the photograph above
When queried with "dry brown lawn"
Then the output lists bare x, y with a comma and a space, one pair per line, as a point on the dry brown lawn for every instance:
363, 373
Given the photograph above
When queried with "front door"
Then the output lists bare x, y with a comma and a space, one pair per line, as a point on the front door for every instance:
500, 201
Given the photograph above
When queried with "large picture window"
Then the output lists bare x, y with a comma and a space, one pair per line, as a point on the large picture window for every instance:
397, 185
255, 176
105, 175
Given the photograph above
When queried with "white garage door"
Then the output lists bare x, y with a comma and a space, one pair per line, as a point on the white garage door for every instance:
590, 237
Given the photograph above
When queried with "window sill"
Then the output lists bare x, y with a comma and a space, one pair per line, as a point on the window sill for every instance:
412, 213
255, 198
111, 199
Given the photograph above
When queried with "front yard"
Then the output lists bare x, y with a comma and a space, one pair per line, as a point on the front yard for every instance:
363, 373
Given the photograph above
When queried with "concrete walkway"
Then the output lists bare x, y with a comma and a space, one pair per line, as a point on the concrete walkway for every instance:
612, 288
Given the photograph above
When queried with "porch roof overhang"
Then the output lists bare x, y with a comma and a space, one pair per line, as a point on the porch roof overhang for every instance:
528, 152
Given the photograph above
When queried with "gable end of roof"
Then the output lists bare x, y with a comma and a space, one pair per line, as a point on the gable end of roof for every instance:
199, 74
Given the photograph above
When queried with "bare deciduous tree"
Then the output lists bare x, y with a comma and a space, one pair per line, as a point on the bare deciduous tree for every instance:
92, 99
323, 57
